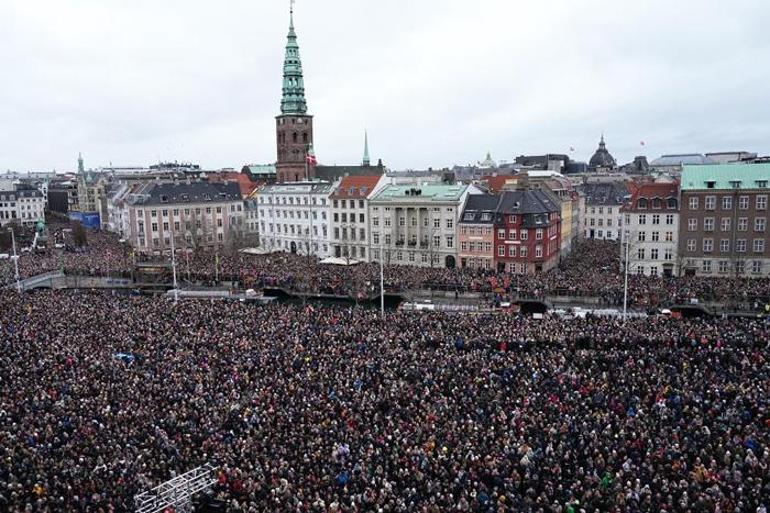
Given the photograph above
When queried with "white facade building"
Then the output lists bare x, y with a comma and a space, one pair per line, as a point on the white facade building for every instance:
27, 207
651, 230
417, 224
294, 217
349, 228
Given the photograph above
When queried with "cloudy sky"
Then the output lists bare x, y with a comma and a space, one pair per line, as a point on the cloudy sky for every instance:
435, 82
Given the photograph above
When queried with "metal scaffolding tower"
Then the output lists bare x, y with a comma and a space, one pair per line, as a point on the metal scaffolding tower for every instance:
177, 492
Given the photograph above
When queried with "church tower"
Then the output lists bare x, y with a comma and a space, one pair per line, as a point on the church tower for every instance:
294, 126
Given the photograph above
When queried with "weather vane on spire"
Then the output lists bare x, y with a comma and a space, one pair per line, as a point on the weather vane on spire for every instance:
291, 6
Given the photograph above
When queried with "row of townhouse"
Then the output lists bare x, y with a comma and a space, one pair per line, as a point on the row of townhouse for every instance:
516, 231
713, 223
369, 219
363, 218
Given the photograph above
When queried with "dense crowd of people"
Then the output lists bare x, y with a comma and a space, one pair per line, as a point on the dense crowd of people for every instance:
592, 269
330, 409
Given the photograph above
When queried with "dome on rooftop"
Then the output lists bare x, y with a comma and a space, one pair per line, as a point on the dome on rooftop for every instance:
602, 157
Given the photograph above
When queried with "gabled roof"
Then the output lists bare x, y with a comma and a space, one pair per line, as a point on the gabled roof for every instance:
152, 193
477, 205
358, 186
527, 202
332, 173
245, 184
724, 175
605, 193
649, 191
496, 183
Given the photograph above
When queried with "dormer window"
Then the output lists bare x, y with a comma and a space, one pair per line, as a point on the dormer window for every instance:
735, 184
468, 216
641, 203
656, 203
710, 184
672, 203
761, 184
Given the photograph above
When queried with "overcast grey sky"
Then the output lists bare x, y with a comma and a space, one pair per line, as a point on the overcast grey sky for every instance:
435, 82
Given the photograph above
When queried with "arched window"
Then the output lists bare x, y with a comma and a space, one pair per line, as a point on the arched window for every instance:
304, 137
655, 202
672, 203
294, 136
642, 203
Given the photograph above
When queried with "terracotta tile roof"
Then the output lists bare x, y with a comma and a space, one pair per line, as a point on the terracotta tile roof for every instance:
650, 190
496, 183
245, 185
359, 187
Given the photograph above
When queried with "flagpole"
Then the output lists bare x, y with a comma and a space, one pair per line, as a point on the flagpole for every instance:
382, 284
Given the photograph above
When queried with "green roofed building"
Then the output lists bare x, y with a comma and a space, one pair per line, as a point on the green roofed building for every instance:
417, 224
723, 220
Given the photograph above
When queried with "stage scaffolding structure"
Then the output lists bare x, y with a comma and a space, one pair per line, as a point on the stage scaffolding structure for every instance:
178, 492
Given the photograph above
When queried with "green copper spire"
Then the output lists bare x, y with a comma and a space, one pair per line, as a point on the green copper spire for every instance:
366, 161
293, 100
80, 163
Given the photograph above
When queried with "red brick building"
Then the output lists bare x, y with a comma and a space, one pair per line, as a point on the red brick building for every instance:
528, 234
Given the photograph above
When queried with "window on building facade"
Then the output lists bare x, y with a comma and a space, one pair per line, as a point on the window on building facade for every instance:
511, 251
691, 245
724, 266
655, 236
523, 235
743, 224
724, 224
668, 254
437, 241
761, 202
669, 236
740, 245
743, 203
708, 224
693, 203
710, 202
708, 245
501, 250
759, 245
656, 219
642, 218
538, 251
523, 251
669, 219
727, 202
724, 245
641, 236
692, 225
756, 266
706, 266
654, 254
640, 254
759, 224
450, 241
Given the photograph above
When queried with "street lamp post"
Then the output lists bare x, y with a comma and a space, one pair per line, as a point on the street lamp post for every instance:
15, 260
173, 268
382, 284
